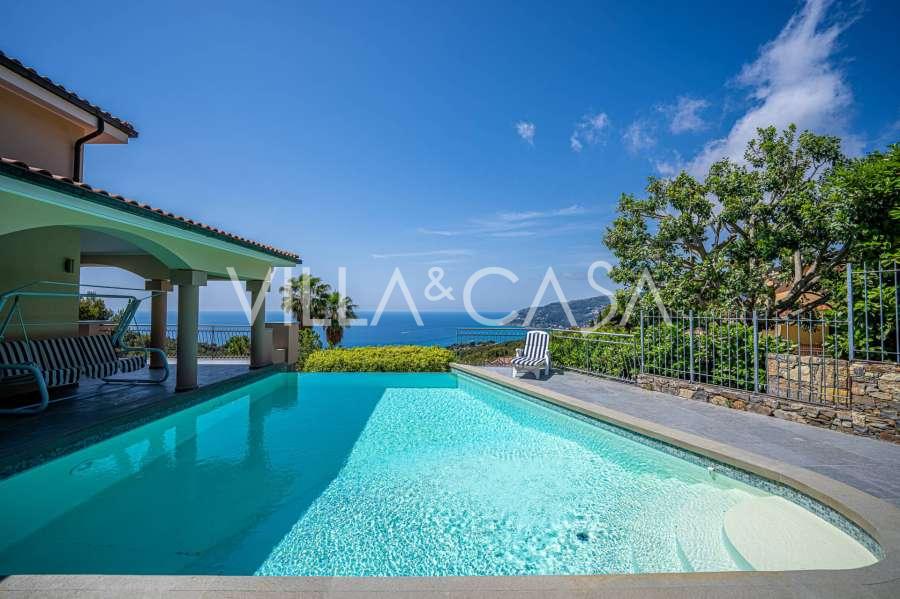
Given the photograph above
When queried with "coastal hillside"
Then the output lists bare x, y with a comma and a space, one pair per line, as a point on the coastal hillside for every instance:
553, 316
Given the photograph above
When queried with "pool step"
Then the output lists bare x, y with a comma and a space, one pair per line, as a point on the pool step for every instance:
772, 533
699, 541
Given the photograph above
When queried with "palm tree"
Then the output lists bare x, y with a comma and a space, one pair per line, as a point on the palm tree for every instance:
305, 298
338, 310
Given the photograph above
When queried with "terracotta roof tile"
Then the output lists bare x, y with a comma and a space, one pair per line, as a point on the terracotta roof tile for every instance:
12, 166
70, 96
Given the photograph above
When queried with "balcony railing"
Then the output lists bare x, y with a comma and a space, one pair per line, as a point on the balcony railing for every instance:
213, 341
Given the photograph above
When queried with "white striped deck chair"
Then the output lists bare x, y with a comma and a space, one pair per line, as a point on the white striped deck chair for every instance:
535, 357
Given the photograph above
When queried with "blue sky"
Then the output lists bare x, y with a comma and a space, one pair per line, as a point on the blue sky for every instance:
379, 135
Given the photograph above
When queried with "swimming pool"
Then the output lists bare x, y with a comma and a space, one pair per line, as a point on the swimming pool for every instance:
401, 475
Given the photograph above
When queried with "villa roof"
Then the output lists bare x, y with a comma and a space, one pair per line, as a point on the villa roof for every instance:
23, 171
70, 96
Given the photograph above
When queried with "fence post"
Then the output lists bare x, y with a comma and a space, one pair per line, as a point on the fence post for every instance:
850, 311
755, 353
642, 342
691, 341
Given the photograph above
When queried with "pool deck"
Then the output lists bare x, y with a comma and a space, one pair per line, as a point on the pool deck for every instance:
855, 476
101, 409
869, 465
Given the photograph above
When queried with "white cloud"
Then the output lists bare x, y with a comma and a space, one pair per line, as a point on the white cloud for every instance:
638, 137
441, 232
669, 167
423, 254
793, 80
685, 114
526, 131
513, 234
511, 224
570, 211
588, 131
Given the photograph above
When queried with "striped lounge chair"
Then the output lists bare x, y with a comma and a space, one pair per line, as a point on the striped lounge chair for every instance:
535, 357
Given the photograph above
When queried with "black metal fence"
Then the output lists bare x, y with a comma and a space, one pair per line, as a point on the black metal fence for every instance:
214, 342
872, 312
805, 357
790, 357
799, 357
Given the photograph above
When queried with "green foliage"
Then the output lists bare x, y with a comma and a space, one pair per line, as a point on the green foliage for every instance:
310, 298
788, 218
723, 352
873, 183
338, 309
607, 354
305, 296
874, 316
483, 353
392, 358
309, 343
93, 308
238, 345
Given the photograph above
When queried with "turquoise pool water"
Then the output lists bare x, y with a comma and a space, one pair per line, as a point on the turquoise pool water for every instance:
370, 474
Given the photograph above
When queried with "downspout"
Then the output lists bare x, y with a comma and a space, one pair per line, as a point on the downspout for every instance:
78, 166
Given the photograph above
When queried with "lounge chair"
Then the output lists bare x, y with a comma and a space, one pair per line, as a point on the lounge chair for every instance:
535, 357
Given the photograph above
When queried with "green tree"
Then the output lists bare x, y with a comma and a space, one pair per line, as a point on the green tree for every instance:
93, 308
788, 218
309, 343
238, 345
305, 296
338, 309
874, 182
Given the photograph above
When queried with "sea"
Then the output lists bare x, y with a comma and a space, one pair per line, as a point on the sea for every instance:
393, 328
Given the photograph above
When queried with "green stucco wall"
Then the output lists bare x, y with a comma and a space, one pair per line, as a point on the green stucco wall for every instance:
39, 255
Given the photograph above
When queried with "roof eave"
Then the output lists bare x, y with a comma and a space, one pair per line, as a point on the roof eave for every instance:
67, 95
64, 185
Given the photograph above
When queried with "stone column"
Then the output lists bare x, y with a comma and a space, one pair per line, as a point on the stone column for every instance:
189, 283
159, 305
260, 336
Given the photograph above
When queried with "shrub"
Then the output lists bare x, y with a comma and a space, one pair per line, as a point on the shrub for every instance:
392, 358
239, 345
606, 355
93, 308
309, 344
723, 353
483, 353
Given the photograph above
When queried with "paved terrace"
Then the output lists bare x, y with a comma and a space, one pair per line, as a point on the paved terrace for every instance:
99, 408
867, 464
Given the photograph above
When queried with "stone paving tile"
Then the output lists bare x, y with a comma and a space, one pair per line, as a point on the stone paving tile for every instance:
867, 464
96, 402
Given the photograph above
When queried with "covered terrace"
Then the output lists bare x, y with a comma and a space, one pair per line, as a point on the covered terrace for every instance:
52, 226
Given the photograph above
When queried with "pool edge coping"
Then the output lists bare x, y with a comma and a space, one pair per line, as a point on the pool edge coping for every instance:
877, 517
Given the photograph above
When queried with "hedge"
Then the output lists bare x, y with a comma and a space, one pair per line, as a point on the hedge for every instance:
615, 357
723, 353
480, 354
390, 358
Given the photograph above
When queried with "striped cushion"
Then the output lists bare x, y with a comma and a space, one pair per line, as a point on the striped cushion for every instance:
96, 349
15, 352
535, 345
56, 353
57, 377
100, 370
528, 361
132, 363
